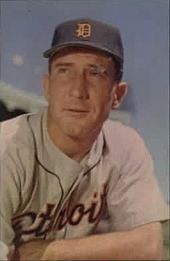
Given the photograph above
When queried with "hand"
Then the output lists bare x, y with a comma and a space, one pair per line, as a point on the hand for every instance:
32, 250
50, 252
58, 250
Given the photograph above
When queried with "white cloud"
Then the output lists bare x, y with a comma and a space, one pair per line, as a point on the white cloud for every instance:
17, 60
14, 97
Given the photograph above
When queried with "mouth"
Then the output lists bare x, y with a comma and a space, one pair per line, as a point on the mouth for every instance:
76, 112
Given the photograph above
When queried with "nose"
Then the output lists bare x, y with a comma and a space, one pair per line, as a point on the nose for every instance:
78, 87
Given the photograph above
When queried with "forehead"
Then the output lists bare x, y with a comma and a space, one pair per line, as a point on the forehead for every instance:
78, 54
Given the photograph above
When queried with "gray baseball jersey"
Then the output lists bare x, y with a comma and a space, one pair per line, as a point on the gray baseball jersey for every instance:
47, 195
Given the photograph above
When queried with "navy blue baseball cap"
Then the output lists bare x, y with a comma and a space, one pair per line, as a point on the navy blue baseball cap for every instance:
86, 32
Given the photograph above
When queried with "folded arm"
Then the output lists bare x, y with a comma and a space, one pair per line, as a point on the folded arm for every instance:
142, 243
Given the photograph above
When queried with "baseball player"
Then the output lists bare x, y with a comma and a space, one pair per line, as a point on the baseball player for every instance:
75, 185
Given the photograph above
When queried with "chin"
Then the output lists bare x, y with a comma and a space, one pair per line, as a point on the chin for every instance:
80, 127
84, 131
77, 133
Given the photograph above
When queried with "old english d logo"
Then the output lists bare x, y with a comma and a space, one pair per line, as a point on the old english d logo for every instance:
83, 30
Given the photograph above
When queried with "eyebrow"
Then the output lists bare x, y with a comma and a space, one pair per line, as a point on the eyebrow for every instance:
98, 65
94, 65
62, 64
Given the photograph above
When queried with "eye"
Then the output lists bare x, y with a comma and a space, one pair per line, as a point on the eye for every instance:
62, 69
94, 70
97, 71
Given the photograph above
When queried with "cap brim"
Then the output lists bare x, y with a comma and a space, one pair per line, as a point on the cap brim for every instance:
52, 51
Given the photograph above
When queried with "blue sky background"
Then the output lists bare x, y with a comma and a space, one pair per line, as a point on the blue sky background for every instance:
26, 31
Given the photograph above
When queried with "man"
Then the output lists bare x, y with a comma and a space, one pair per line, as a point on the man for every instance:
75, 185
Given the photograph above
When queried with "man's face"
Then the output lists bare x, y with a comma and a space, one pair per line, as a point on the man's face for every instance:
80, 90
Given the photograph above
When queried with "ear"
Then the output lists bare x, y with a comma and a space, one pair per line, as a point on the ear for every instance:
46, 86
119, 94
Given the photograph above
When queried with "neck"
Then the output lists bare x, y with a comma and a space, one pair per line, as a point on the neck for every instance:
74, 148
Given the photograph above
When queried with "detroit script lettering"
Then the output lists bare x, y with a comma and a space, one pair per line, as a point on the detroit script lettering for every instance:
49, 219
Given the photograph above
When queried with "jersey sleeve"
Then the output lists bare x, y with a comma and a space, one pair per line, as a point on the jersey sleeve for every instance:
135, 199
9, 195
11, 181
